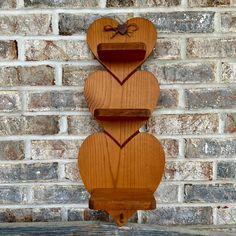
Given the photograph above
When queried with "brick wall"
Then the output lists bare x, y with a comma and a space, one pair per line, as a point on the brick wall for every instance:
44, 60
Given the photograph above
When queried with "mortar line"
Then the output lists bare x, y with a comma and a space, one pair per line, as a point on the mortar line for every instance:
21, 49
82, 137
115, 10
73, 160
82, 37
80, 184
181, 193
92, 62
103, 3
55, 22
222, 117
214, 215
82, 206
19, 4
58, 75
63, 125
181, 149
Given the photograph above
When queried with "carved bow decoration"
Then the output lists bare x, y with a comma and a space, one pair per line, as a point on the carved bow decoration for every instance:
123, 29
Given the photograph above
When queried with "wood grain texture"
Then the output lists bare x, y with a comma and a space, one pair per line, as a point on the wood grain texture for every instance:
119, 199
104, 164
140, 91
146, 34
121, 114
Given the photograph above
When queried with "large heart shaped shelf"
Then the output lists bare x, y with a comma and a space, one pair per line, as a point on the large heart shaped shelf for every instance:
141, 90
145, 33
139, 164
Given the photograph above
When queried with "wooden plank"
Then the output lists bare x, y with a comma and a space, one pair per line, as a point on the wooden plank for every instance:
121, 51
122, 199
118, 114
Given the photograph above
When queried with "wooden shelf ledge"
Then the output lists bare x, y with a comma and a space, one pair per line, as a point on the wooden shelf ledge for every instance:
121, 51
121, 114
122, 199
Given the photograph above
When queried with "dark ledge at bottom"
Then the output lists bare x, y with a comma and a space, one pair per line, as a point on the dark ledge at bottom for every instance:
100, 228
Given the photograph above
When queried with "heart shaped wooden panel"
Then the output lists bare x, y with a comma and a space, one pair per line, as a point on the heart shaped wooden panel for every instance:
141, 90
138, 165
145, 32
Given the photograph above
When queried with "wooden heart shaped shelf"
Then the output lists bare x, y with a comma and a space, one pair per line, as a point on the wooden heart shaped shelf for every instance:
121, 167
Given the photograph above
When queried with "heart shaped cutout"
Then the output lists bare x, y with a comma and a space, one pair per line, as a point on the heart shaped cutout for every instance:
141, 90
103, 164
144, 33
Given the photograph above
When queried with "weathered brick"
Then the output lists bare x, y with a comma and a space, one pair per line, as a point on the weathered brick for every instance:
228, 73
56, 194
82, 125
12, 150
8, 4
91, 215
55, 149
167, 193
8, 50
233, 3
171, 148
28, 172
191, 170
230, 123
56, 101
75, 214
178, 216
30, 75
61, 3
13, 195
25, 24
167, 49
169, 98
182, 22
78, 23
210, 98
217, 193
142, 3
76, 75
66, 50
226, 215
210, 148
72, 172
211, 48
10, 101
20, 125
30, 215
226, 170
170, 73
183, 124
228, 22
207, 3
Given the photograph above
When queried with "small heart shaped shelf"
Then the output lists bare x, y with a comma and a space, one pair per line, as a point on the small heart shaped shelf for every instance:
121, 167
110, 45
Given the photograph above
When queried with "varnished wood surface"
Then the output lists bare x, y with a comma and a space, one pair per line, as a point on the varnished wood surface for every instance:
124, 52
119, 199
104, 164
140, 91
124, 114
146, 34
